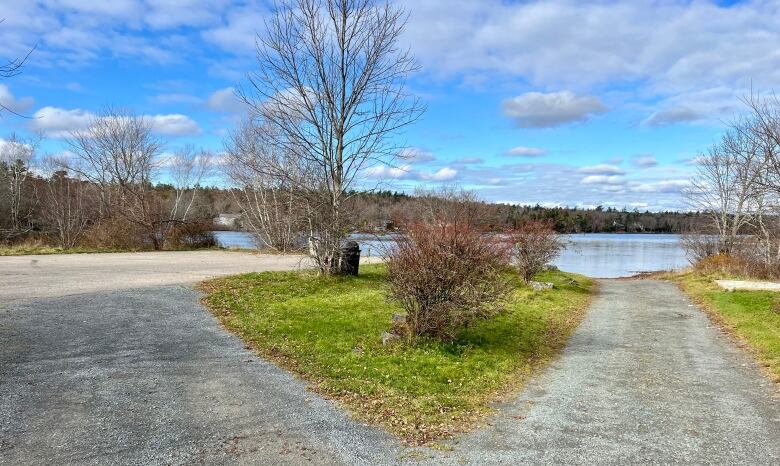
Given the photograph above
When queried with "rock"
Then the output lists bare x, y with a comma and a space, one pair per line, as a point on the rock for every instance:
572, 281
399, 319
540, 286
390, 338
551, 268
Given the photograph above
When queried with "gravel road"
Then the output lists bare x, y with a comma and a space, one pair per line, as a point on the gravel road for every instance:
646, 379
111, 359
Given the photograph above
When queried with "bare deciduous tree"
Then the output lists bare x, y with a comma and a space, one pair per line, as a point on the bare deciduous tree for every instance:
727, 181
187, 168
118, 152
330, 91
17, 195
271, 208
69, 205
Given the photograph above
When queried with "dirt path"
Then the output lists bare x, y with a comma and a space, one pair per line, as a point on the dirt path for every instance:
646, 379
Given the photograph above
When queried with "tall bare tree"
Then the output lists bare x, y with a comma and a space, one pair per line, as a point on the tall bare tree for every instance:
119, 153
330, 88
727, 183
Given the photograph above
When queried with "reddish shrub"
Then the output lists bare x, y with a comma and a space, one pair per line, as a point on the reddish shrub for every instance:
534, 245
445, 276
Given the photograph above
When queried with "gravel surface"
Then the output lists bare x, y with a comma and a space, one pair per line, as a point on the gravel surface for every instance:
99, 365
142, 374
646, 379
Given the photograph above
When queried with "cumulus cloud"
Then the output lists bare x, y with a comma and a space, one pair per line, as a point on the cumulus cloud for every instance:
540, 110
602, 169
407, 172
7, 100
174, 125
666, 49
603, 179
444, 174
645, 161
416, 154
384, 172
225, 100
58, 122
521, 151
664, 186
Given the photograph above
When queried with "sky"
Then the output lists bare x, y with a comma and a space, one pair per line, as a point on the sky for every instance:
568, 103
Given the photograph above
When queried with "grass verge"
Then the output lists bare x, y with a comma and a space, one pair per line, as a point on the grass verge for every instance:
327, 330
44, 250
750, 316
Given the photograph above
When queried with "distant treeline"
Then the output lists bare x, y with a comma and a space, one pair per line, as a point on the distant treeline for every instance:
388, 209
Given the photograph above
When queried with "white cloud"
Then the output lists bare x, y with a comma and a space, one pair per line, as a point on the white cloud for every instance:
58, 122
522, 151
384, 171
666, 49
444, 174
602, 169
225, 100
674, 115
407, 172
604, 179
238, 34
539, 110
174, 125
416, 154
13, 104
645, 161
665, 186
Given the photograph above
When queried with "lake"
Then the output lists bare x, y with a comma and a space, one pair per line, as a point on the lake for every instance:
599, 255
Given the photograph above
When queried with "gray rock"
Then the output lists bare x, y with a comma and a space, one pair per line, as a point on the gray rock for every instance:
390, 338
541, 286
399, 319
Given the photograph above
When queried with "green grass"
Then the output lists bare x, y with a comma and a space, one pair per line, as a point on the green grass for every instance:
41, 250
328, 330
748, 315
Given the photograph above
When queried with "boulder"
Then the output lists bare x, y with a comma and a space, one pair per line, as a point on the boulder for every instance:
541, 286
390, 338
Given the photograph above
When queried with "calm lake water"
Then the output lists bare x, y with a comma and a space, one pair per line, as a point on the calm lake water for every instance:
598, 255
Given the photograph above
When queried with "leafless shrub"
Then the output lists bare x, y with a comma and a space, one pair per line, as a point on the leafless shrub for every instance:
190, 235
115, 233
533, 245
446, 276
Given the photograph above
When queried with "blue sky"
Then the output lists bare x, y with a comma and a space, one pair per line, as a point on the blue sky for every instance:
557, 102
